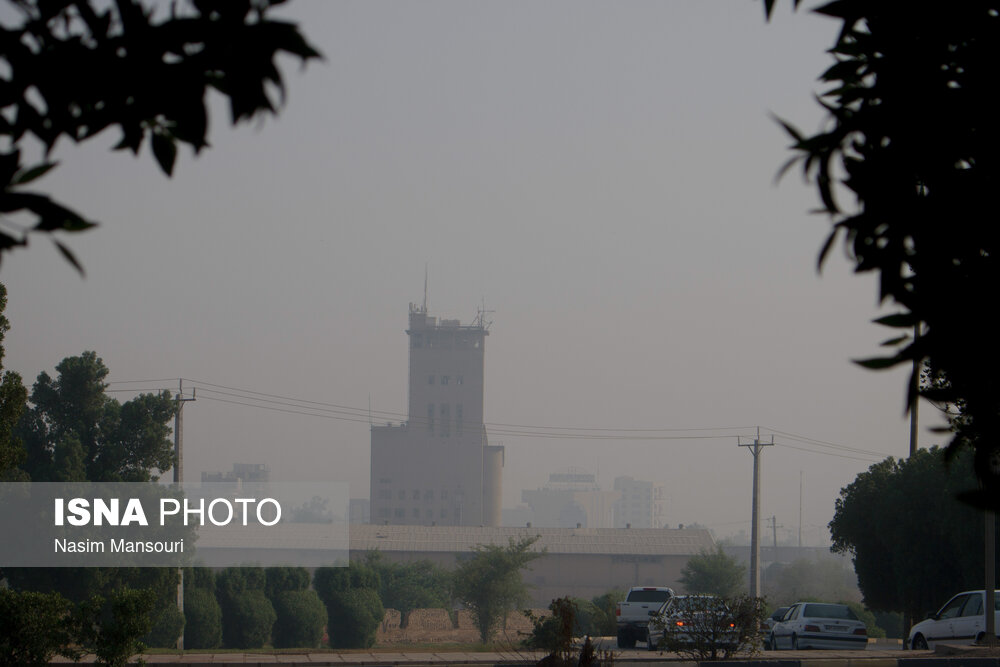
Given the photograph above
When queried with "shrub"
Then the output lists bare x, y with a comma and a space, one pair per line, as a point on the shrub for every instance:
301, 619
203, 619
113, 626
247, 620
167, 628
33, 627
353, 617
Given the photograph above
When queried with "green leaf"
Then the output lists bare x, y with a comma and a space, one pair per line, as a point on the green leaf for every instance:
165, 152
28, 175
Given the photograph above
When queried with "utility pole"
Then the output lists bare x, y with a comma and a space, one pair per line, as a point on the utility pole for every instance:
756, 447
178, 479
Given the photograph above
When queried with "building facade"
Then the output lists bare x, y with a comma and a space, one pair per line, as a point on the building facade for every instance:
438, 468
571, 499
640, 504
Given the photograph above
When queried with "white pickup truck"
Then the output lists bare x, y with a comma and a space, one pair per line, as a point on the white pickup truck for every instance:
634, 611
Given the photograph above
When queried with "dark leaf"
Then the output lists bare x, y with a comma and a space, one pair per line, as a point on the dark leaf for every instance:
69, 257
897, 321
165, 151
879, 363
25, 176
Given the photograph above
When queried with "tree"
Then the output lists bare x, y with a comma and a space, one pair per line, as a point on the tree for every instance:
73, 431
913, 137
13, 399
912, 543
489, 583
408, 586
73, 68
826, 578
713, 573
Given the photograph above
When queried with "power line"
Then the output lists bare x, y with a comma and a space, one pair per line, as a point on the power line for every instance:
306, 407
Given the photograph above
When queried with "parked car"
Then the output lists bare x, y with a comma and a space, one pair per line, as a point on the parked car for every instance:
686, 620
768, 624
818, 625
960, 621
633, 613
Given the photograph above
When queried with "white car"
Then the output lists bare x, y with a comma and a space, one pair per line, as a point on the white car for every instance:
960, 621
808, 625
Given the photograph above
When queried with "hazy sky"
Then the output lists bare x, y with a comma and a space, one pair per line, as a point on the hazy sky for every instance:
599, 174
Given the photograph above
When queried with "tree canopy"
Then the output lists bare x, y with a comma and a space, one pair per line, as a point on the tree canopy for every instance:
715, 573
912, 136
489, 583
912, 542
13, 397
73, 68
73, 431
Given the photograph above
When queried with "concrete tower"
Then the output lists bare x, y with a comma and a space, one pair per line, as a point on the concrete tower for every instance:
438, 467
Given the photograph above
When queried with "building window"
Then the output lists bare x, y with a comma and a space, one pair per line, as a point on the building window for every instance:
416, 513
428, 495
430, 418
418, 340
383, 494
444, 379
402, 495
399, 513
459, 380
430, 379
416, 494
445, 420
383, 512
444, 513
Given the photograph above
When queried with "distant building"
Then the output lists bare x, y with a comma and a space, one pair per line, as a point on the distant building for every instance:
438, 467
640, 504
359, 511
571, 499
245, 473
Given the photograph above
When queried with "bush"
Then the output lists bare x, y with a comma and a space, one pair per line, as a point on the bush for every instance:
247, 620
606, 624
113, 627
33, 627
301, 619
167, 628
203, 620
281, 579
353, 618
354, 609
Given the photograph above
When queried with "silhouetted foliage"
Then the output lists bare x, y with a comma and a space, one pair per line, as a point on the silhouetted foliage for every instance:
912, 135
34, 627
74, 68
912, 543
13, 400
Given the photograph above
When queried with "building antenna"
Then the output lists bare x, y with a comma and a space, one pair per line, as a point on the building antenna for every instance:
425, 288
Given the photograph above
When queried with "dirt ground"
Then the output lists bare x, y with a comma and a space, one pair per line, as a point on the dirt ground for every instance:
435, 626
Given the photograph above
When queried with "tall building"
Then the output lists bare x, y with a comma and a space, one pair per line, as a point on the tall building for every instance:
640, 504
569, 499
438, 467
